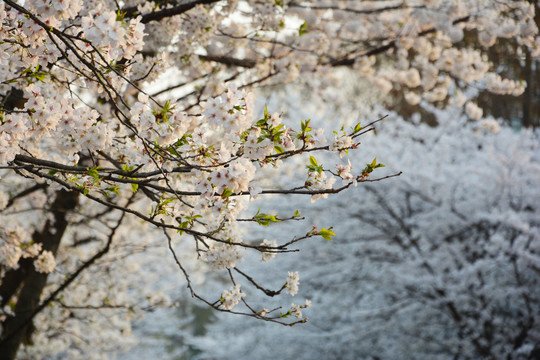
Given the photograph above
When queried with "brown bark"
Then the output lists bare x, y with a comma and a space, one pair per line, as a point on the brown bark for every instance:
166, 12
18, 328
527, 96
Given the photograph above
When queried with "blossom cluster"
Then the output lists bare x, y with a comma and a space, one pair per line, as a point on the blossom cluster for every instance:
344, 172
342, 143
16, 243
45, 263
498, 85
473, 111
75, 129
165, 128
296, 310
268, 134
257, 149
293, 280
232, 111
230, 298
223, 256
319, 181
116, 39
235, 177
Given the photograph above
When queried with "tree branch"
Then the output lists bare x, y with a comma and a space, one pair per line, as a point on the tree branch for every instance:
349, 61
230, 61
131, 12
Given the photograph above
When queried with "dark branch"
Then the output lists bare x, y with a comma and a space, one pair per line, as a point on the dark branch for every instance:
351, 10
349, 61
230, 61
131, 12
25, 192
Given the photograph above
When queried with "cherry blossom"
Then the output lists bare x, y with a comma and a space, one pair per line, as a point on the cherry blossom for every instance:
129, 127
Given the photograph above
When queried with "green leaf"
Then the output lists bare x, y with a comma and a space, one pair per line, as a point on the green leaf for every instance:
304, 126
370, 167
297, 213
166, 201
357, 128
167, 106
134, 187
303, 29
278, 149
41, 76
226, 193
265, 219
314, 167
93, 172
326, 234
313, 161
114, 189
120, 15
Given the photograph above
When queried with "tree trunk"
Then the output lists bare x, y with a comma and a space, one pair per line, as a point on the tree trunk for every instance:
529, 90
18, 328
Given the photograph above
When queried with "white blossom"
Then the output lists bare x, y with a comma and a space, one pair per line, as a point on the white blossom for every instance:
230, 298
45, 262
222, 256
291, 285
473, 111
